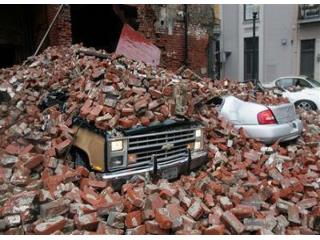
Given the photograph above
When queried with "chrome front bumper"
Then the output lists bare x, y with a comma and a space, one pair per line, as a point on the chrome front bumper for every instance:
197, 159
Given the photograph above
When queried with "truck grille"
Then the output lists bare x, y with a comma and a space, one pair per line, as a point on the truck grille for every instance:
144, 146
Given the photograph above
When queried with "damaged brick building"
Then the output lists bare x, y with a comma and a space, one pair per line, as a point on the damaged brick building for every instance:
22, 28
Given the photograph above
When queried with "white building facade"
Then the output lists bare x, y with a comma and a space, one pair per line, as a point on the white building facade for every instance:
287, 41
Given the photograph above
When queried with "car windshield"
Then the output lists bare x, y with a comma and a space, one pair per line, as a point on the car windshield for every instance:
314, 82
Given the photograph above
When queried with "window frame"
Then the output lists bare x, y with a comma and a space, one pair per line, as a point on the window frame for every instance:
282, 79
313, 82
245, 7
306, 83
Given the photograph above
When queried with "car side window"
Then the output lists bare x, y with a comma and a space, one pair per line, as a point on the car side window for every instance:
285, 83
303, 83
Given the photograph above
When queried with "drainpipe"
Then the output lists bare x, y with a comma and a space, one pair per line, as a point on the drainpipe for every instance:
254, 67
186, 35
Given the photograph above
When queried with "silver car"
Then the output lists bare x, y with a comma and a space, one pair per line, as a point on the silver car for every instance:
264, 123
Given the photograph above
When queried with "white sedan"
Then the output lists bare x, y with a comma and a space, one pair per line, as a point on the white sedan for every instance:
264, 123
302, 91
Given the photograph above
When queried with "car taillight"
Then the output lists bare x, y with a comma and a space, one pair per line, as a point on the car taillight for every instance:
266, 117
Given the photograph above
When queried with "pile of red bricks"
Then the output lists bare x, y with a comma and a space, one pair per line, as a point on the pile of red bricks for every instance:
246, 188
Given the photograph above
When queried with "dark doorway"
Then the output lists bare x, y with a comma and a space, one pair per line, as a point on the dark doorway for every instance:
8, 55
251, 60
307, 57
100, 26
20, 29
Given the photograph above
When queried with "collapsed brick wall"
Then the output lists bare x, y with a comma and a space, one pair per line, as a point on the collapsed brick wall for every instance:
60, 33
172, 46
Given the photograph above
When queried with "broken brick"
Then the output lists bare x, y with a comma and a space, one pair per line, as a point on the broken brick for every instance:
243, 211
307, 203
87, 221
104, 229
8, 160
167, 91
175, 214
254, 224
12, 220
116, 220
34, 161
54, 208
294, 214
92, 183
133, 219
91, 197
195, 210
163, 218
225, 203
232, 222
154, 228
50, 226
19, 202
13, 149
61, 147
134, 198
140, 230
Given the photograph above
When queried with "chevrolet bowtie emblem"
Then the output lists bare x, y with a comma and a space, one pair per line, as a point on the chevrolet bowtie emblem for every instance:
167, 146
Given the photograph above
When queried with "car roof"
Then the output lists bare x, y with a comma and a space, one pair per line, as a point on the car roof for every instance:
297, 76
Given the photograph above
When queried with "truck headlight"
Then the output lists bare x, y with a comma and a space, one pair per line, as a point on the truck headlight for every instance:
116, 145
198, 133
117, 154
198, 144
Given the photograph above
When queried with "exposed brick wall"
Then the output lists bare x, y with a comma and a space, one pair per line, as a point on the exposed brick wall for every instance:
60, 33
146, 18
172, 46
198, 54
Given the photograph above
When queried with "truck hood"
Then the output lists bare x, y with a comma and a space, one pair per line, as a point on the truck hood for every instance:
137, 130
158, 126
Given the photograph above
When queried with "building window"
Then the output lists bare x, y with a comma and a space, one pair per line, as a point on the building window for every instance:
307, 57
248, 10
251, 60
309, 11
